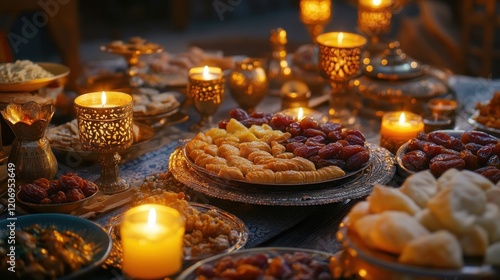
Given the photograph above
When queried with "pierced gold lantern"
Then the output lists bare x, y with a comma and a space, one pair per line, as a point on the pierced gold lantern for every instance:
105, 126
339, 61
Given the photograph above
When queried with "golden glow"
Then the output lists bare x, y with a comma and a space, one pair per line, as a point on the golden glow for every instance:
366, 61
152, 218
362, 273
340, 38
414, 64
369, 68
376, 3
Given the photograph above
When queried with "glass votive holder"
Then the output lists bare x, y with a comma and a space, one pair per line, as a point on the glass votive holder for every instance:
152, 241
294, 94
437, 122
399, 127
443, 107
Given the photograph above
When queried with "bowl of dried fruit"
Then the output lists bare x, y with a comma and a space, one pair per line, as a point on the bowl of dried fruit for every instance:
441, 150
62, 195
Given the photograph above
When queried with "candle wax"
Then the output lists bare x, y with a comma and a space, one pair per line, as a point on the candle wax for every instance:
207, 77
152, 237
151, 253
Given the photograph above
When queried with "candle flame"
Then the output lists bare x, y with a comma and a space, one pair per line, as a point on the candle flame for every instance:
376, 2
103, 98
402, 119
152, 218
206, 72
300, 114
340, 38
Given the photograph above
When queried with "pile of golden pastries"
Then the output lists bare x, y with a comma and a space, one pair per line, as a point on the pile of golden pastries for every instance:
432, 223
299, 152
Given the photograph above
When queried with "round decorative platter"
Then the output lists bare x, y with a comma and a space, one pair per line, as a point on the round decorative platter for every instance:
58, 70
380, 171
89, 231
62, 208
387, 265
235, 223
285, 186
271, 252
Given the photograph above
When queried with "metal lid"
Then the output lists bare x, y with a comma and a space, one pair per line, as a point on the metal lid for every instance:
392, 64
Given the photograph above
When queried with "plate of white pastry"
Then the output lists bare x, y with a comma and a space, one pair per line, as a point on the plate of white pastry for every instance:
447, 227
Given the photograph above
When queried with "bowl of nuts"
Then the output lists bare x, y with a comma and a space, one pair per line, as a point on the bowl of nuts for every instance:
441, 150
62, 195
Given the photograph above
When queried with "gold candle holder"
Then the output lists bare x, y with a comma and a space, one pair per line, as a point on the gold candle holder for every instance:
339, 59
315, 14
30, 152
374, 17
105, 126
248, 83
206, 88
294, 94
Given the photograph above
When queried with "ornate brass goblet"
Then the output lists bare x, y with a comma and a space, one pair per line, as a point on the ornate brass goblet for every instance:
105, 126
374, 19
248, 83
206, 87
339, 58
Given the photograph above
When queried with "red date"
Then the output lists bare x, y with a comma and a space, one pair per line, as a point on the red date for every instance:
440, 163
356, 161
415, 160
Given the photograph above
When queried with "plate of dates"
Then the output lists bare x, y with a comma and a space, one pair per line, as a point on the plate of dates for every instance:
441, 150
62, 195
261, 150
264, 263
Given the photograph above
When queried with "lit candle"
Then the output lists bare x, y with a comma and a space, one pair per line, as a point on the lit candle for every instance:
105, 120
300, 113
152, 241
340, 54
399, 127
379, 4
341, 40
205, 73
103, 99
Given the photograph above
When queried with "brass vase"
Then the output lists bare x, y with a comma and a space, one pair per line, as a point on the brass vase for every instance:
30, 152
248, 83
